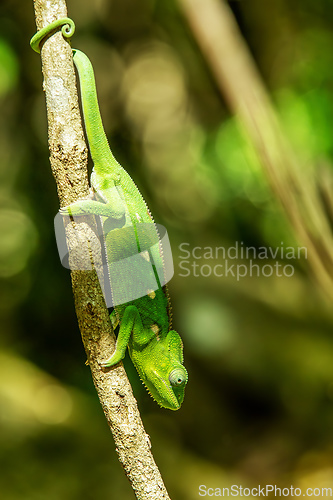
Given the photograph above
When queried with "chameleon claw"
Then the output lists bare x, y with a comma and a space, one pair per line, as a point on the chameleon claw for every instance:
108, 363
103, 366
64, 211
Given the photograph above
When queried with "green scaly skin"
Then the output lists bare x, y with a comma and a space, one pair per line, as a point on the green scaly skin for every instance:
144, 323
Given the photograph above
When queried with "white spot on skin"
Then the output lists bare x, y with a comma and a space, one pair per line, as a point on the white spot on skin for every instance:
145, 255
155, 329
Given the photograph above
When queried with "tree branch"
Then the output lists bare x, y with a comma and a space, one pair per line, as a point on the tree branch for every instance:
235, 72
68, 157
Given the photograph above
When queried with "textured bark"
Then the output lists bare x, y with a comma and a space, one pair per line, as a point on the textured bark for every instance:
68, 157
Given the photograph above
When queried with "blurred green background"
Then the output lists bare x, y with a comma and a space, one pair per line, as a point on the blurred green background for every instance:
259, 350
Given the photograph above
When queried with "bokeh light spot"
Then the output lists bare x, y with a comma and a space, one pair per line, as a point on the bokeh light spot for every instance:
18, 239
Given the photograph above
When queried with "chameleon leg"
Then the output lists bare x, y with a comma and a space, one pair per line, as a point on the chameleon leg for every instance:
130, 323
84, 207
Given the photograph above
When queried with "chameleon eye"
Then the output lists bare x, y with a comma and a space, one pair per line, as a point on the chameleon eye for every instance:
178, 377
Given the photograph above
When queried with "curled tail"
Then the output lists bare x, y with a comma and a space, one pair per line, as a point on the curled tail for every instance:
100, 151
66, 25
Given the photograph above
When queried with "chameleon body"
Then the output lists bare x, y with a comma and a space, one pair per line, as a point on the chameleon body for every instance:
144, 323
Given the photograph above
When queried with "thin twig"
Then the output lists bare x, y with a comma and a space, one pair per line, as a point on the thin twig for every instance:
219, 37
68, 157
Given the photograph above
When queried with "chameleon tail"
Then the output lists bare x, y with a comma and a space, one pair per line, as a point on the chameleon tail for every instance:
102, 157
67, 28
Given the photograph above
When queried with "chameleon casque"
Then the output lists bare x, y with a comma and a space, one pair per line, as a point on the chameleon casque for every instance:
145, 322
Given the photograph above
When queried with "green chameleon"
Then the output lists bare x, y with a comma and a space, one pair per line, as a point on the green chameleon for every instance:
145, 322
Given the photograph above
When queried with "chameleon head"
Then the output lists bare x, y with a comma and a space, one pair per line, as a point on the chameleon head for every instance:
168, 389
164, 375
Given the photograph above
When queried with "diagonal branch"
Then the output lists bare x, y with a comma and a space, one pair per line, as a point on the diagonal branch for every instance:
68, 157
